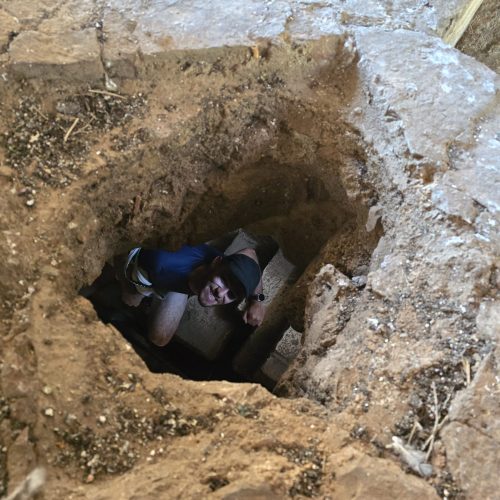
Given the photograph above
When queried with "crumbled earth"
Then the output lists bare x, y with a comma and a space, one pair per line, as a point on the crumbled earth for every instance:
482, 38
379, 181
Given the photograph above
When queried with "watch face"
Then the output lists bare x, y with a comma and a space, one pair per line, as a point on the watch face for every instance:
259, 297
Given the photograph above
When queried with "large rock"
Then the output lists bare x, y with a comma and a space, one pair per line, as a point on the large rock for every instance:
424, 102
67, 56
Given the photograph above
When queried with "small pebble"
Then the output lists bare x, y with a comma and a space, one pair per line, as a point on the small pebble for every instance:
102, 419
30, 202
49, 412
47, 390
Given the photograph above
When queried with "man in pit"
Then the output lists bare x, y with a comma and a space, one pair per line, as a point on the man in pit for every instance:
172, 277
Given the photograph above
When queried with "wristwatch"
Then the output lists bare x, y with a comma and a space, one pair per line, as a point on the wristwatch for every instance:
257, 297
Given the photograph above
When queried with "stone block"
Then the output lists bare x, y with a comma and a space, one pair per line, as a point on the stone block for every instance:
277, 277
206, 330
30, 13
67, 56
275, 366
120, 48
289, 345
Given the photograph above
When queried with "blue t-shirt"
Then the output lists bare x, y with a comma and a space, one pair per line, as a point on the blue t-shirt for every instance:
169, 271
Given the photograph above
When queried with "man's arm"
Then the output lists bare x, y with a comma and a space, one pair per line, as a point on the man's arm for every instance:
165, 317
255, 311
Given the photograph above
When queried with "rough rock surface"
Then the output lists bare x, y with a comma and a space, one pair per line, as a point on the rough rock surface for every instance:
215, 117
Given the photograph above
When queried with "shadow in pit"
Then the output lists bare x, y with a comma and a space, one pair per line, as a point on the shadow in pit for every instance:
176, 357
187, 354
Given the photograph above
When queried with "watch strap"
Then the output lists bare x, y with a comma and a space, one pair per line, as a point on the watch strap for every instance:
257, 297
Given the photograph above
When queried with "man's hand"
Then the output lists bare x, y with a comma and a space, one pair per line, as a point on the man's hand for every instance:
254, 314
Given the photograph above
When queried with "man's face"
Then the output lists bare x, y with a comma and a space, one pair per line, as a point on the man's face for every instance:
219, 289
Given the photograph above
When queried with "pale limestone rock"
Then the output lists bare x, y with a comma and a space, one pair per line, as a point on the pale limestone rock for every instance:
74, 56
121, 49
374, 215
449, 199
423, 96
71, 15
198, 24
473, 183
391, 278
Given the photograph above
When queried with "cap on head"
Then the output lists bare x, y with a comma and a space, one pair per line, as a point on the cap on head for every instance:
244, 269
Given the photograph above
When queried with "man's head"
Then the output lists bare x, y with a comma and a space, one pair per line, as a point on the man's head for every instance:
230, 278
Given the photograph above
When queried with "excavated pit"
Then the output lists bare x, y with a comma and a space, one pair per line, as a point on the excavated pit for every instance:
299, 217
301, 142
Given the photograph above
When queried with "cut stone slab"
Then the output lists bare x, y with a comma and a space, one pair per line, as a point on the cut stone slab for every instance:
276, 279
68, 56
476, 169
72, 15
197, 24
206, 329
134, 29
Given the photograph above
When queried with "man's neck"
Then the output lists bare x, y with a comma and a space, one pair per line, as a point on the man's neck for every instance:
196, 279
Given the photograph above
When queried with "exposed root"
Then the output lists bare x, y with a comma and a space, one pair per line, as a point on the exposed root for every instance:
438, 424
